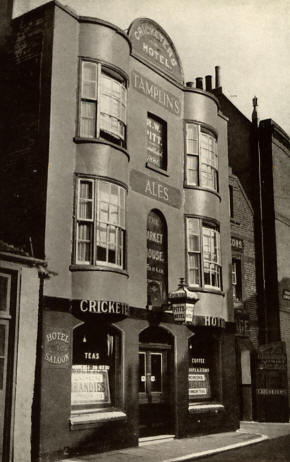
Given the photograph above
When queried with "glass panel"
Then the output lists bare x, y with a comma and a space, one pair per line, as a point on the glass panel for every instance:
86, 200
2, 354
89, 78
84, 242
192, 170
156, 372
142, 373
3, 292
88, 119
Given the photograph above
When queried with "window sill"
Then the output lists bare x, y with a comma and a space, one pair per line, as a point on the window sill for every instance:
110, 269
199, 188
207, 290
200, 408
153, 167
83, 420
235, 222
80, 140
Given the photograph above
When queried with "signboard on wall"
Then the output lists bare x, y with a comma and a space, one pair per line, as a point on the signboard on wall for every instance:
152, 45
156, 148
57, 347
271, 383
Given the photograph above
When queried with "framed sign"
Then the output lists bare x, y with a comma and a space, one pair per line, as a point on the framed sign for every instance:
90, 385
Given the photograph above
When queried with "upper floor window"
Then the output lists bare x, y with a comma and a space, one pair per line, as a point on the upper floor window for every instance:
103, 103
156, 131
203, 254
100, 227
236, 279
231, 193
201, 157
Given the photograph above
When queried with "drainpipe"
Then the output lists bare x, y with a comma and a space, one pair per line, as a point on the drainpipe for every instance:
263, 313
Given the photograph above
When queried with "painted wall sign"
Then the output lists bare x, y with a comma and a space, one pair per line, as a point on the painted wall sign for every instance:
144, 184
56, 349
156, 260
156, 142
286, 294
151, 44
242, 322
104, 307
157, 94
237, 244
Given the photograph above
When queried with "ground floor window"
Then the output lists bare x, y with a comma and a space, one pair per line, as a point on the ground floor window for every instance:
202, 368
96, 367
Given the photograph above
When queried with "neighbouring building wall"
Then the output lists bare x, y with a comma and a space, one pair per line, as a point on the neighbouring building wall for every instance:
243, 255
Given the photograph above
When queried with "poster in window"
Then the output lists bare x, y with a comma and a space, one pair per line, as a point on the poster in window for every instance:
90, 385
199, 379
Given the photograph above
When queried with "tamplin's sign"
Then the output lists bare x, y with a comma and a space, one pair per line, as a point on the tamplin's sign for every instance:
151, 44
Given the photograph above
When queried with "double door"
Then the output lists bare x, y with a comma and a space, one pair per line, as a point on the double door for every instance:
155, 402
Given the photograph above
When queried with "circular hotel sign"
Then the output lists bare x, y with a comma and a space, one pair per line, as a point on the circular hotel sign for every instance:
151, 44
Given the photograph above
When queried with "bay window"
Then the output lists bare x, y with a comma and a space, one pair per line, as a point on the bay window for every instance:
100, 224
203, 254
201, 157
103, 103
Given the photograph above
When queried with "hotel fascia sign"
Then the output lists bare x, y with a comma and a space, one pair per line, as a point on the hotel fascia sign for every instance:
150, 43
157, 94
102, 307
155, 189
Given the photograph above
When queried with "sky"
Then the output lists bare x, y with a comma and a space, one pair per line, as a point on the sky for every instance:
248, 39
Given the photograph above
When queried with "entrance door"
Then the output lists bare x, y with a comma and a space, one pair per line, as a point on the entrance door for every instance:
155, 409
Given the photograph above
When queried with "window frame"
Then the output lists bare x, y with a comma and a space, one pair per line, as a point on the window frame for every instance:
118, 228
102, 72
238, 292
202, 134
213, 227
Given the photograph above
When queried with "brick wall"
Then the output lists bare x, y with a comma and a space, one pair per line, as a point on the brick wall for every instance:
25, 137
242, 227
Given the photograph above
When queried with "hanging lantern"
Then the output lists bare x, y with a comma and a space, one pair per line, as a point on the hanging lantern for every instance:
182, 303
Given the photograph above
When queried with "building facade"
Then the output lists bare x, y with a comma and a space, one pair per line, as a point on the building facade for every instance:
124, 190
259, 157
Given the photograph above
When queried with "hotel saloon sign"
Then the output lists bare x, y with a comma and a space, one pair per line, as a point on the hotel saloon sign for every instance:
152, 45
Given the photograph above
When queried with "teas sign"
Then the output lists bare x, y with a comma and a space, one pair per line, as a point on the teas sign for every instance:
152, 45
57, 347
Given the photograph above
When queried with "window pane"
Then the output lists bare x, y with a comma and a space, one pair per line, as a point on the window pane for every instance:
156, 371
112, 106
88, 119
142, 373
3, 293
84, 243
89, 80
192, 170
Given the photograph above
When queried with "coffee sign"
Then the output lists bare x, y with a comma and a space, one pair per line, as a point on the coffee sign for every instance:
150, 43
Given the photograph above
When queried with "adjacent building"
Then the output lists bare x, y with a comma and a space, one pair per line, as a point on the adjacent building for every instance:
116, 172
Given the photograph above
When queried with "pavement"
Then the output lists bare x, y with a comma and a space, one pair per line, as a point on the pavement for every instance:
169, 449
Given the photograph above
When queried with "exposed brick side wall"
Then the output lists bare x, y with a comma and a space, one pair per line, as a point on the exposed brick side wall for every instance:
285, 336
24, 155
242, 227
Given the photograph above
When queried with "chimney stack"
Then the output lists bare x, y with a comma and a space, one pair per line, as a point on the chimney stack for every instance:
217, 77
190, 84
208, 83
199, 83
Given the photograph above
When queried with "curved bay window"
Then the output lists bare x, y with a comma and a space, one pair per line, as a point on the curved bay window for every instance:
103, 103
100, 224
96, 367
201, 157
203, 254
156, 259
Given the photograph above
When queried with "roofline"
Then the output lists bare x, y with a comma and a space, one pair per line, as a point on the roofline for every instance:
232, 175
